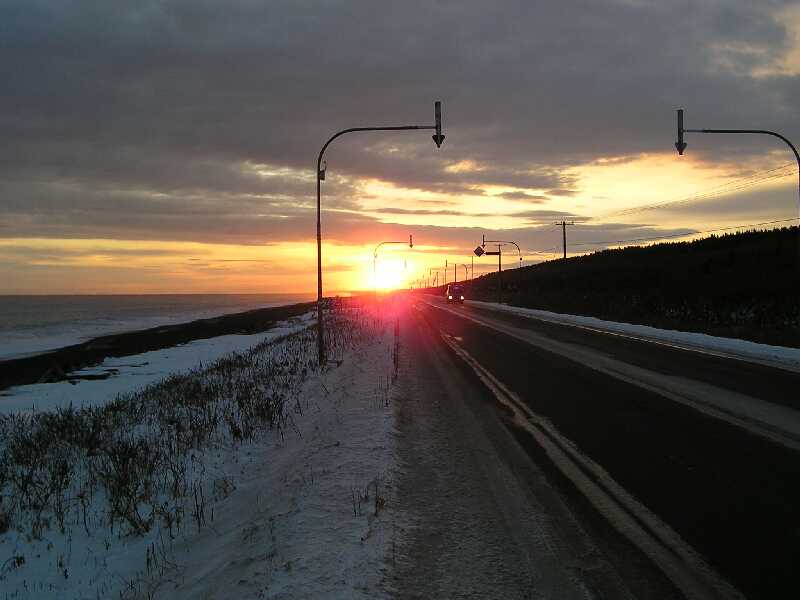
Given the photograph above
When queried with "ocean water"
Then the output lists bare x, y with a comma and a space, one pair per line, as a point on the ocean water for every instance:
34, 324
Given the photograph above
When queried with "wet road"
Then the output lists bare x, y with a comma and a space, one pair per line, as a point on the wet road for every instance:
616, 468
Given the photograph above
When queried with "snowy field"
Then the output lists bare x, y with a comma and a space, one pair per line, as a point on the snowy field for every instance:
257, 476
778, 356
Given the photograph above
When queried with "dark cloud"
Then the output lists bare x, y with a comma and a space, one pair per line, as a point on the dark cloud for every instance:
532, 198
546, 216
561, 192
424, 212
202, 120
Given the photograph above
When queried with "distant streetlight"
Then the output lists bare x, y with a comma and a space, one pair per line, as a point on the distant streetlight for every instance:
435, 271
466, 271
438, 138
375, 256
680, 145
479, 251
455, 270
504, 242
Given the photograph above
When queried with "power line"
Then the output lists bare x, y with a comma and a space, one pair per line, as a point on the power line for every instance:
676, 235
725, 188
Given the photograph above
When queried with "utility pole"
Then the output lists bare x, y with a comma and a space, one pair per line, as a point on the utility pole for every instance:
455, 272
445, 272
564, 233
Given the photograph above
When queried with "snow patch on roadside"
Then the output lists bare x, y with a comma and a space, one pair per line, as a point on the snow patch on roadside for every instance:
304, 521
129, 373
778, 356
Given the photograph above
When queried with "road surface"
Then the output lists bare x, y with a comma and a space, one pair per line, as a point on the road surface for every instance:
555, 462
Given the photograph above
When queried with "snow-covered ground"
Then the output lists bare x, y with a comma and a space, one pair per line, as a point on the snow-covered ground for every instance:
304, 521
128, 373
298, 512
779, 356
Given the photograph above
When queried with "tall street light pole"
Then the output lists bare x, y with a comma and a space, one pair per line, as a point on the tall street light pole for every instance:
438, 138
375, 256
680, 145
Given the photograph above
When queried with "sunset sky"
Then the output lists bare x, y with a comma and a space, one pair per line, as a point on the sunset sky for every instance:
170, 146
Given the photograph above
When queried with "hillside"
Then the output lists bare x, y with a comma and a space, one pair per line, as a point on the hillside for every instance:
744, 285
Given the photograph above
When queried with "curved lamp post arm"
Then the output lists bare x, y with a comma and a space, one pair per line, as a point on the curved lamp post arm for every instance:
506, 242
763, 132
375, 252
354, 129
681, 146
375, 255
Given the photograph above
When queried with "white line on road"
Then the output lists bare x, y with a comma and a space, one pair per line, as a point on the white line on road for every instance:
774, 422
676, 559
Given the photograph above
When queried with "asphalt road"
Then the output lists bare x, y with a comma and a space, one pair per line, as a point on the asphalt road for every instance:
479, 518
679, 469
